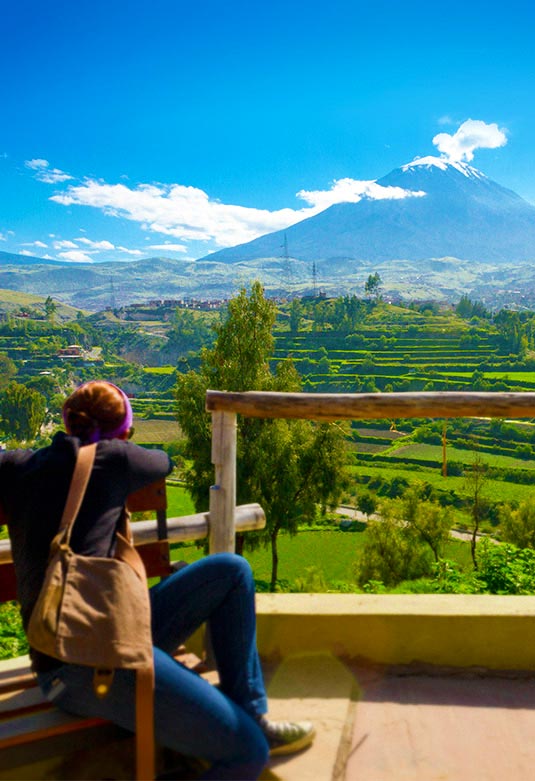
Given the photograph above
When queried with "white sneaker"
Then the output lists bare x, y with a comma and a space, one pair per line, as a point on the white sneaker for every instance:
285, 737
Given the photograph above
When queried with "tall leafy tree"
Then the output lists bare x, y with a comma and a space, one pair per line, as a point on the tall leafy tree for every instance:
429, 520
22, 411
372, 286
476, 483
392, 550
50, 308
288, 466
518, 524
8, 370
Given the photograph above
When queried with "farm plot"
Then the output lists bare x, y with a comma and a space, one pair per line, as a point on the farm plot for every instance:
500, 491
155, 432
332, 554
425, 452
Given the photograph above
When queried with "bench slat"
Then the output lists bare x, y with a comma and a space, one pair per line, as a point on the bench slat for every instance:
39, 726
19, 701
8, 583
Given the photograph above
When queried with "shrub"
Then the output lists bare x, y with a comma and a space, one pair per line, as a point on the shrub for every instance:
392, 552
313, 581
518, 525
12, 638
505, 569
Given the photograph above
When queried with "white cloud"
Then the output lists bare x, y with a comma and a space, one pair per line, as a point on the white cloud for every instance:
65, 244
54, 176
36, 244
77, 256
130, 251
471, 135
25, 252
36, 164
96, 245
2, 237
189, 214
46, 174
169, 247
353, 191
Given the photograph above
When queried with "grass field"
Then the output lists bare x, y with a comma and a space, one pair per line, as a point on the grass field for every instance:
179, 502
14, 299
159, 370
331, 552
434, 453
154, 432
519, 376
498, 490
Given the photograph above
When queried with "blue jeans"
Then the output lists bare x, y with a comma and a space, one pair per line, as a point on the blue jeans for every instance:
190, 715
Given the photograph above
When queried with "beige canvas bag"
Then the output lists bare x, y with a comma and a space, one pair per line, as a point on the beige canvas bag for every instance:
95, 611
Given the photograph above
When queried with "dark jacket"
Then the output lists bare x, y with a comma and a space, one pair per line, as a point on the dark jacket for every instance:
33, 490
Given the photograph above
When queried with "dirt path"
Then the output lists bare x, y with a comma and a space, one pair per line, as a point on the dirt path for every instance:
355, 515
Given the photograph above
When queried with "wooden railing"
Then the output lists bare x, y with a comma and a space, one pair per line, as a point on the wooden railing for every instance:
226, 405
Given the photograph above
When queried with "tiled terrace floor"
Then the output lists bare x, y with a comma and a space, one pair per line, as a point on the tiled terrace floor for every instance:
407, 727
423, 728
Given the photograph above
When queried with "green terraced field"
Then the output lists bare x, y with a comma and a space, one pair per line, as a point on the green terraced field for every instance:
159, 370
434, 453
331, 552
497, 489
153, 432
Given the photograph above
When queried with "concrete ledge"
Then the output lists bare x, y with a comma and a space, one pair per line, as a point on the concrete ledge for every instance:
493, 632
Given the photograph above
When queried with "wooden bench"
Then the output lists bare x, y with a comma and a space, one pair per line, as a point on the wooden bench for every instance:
28, 719
33, 733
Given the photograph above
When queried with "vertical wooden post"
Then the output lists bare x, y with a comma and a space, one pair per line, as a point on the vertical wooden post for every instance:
222, 536
444, 461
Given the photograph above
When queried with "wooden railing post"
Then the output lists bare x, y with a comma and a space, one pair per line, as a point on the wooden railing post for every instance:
223, 492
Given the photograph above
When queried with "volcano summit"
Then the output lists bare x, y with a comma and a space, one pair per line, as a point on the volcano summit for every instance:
450, 210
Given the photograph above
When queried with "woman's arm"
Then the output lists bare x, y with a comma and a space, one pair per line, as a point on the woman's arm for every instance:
145, 466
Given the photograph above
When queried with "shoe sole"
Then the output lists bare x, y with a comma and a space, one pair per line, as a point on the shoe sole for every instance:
296, 745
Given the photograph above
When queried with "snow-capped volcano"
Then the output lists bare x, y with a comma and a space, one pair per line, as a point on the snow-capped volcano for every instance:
459, 213
442, 163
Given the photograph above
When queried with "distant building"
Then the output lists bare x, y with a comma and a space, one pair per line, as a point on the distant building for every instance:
72, 351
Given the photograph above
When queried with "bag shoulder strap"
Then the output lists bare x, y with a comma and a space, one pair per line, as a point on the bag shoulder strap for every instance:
145, 758
79, 481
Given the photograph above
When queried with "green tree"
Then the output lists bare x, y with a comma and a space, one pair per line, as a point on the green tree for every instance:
476, 478
288, 466
430, 521
50, 308
8, 370
392, 551
518, 525
296, 315
189, 331
366, 503
22, 411
372, 286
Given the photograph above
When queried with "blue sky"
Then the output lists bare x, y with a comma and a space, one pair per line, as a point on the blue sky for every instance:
135, 129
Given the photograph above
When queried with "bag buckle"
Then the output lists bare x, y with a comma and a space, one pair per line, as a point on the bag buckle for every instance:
102, 681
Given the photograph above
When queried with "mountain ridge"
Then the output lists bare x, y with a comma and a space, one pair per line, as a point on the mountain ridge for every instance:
463, 214
467, 234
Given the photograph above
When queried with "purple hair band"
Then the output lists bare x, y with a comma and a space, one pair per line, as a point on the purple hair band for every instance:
121, 429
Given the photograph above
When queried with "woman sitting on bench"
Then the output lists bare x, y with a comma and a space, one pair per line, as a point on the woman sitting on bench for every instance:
225, 726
